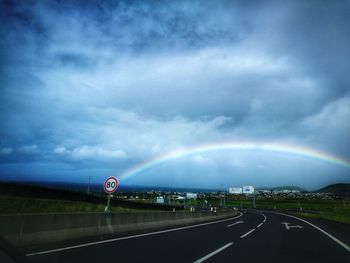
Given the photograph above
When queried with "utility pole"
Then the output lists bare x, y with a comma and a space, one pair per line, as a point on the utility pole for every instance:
88, 190
224, 197
254, 205
89, 183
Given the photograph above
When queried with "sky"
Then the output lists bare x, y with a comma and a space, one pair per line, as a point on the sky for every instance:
95, 88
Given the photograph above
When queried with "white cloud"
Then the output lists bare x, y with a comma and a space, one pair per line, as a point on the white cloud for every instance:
334, 114
60, 150
330, 127
29, 149
6, 151
201, 160
208, 81
144, 136
98, 152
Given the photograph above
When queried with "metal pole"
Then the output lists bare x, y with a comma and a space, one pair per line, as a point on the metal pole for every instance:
221, 197
254, 205
108, 201
224, 198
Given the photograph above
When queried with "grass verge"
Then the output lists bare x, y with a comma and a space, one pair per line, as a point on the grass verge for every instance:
21, 205
337, 216
337, 210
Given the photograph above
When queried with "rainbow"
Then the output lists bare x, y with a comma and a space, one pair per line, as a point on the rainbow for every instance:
278, 148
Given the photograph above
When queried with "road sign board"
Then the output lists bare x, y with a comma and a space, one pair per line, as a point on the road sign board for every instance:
110, 185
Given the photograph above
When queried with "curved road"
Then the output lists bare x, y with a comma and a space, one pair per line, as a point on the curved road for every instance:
255, 236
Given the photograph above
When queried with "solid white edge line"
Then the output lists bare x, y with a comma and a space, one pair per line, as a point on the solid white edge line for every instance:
260, 225
129, 237
213, 253
246, 234
320, 229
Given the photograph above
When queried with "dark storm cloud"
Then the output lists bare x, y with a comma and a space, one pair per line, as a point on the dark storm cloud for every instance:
111, 83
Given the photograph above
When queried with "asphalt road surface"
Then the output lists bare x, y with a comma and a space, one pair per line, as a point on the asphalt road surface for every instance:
253, 236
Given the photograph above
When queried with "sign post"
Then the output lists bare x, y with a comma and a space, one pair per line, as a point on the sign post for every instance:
110, 186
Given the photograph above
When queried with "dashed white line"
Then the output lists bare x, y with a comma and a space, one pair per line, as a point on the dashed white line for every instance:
235, 223
262, 221
213, 253
246, 234
129, 237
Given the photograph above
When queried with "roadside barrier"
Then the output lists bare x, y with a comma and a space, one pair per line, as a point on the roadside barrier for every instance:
34, 230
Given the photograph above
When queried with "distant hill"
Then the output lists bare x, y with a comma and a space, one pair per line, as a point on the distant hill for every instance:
340, 189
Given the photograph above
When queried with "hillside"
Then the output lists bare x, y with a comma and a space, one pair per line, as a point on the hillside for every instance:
340, 189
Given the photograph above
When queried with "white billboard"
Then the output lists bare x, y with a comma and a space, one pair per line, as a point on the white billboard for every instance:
235, 190
248, 189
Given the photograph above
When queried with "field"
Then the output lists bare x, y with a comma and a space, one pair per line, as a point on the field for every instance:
335, 210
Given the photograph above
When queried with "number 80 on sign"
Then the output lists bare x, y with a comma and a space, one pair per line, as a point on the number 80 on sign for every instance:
110, 185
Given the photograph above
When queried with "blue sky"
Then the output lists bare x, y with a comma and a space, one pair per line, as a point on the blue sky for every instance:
95, 88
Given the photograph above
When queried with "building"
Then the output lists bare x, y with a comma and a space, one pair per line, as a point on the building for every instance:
235, 190
160, 200
191, 196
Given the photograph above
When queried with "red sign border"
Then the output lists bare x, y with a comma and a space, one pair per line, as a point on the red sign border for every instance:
115, 189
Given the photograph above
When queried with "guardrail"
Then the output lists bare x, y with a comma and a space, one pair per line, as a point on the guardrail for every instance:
35, 230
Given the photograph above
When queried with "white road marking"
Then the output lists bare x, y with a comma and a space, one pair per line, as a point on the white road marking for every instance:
286, 224
319, 229
262, 221
236, 223
246, 234
213, 253
129, 237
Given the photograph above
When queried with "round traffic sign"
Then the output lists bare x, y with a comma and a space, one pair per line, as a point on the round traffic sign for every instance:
110, 185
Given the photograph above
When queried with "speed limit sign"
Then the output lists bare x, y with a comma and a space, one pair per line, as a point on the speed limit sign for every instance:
110, 185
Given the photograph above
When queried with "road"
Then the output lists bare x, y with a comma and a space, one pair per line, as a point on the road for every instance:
253, 236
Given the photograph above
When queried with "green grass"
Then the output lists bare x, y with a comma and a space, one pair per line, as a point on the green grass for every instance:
334, 210
20, 205
341, 216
